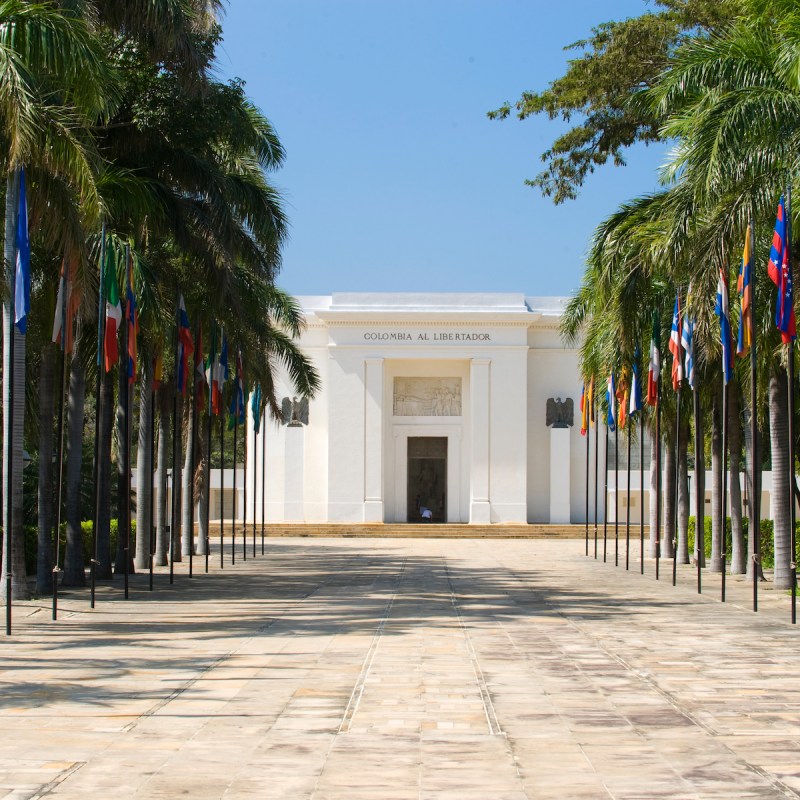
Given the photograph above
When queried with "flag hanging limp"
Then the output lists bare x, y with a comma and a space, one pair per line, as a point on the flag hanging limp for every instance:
744, 284
687, 341
722, 311
22, 276
611, 399
113, 309
675, 345
654, 370
781, 275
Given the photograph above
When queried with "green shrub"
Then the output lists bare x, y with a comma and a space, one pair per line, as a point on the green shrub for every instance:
767, 539
31, 540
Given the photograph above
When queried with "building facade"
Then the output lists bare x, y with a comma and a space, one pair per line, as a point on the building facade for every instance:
461, 408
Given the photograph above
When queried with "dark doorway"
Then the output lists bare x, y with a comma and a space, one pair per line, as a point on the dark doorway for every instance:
427, 479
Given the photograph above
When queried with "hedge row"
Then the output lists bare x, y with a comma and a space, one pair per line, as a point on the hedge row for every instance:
32, 542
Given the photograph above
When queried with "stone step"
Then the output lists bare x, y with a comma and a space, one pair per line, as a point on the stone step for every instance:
421, 531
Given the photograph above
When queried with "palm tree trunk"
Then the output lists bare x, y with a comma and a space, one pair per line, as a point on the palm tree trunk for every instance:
103, 570
144, 478
653, 490
19, 585
164, 416
778, 429
751, 488
74, 573
44, 559
188, 480
683, 492
738, 554
716, 483
203, 475
669, 491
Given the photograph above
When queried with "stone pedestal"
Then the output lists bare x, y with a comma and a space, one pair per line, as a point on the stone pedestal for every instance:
294, 470
559, 476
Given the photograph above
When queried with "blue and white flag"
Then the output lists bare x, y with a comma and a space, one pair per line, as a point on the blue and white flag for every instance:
611, 399
22, 276
636, 386
687, 342
722, 311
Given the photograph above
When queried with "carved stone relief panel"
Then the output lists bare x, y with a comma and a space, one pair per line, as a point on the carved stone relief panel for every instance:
427, 397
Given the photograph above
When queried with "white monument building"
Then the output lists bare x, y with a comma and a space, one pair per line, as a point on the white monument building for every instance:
431, 405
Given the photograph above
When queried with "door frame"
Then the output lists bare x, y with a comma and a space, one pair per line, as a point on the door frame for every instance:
453, 434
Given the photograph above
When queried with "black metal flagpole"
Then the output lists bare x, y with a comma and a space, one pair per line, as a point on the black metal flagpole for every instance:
244, 487
677, 482
641, 490
263, 475
724, 482
59, 492
628, 502
222, 481
255, 474
126, 410
658, 476
792, 532
235, 437
588, 436
605, 500
596, 466
211, 357
151, 466
98, 411
699, 499
175, 445
616, 492
192, 449
755, 500
8, 544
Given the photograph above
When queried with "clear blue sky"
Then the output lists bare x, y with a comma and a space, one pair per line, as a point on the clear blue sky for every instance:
395, 179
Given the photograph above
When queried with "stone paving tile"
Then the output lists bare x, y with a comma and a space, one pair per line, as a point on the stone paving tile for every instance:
383, 669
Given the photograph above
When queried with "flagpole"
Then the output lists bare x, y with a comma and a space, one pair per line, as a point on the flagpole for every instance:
244, 484
175, 445
605, 500
255, 476
263, 475
641, 491
658, 476
677, 484
222, 481
699, 502
792, 556
151, 466
628, 505
724, 555
792, 532
755, 500
588, 436
211, 357
59, 493
192, 448
98, 409
596, 466
126, 465
616, 492
233, 521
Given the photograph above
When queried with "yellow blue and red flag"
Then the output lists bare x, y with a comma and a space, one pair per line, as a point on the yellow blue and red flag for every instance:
744, 283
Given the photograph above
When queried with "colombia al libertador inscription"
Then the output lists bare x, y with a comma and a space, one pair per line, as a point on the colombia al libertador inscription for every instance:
444, 336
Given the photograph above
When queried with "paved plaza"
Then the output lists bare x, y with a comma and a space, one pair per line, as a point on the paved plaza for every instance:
363, 668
